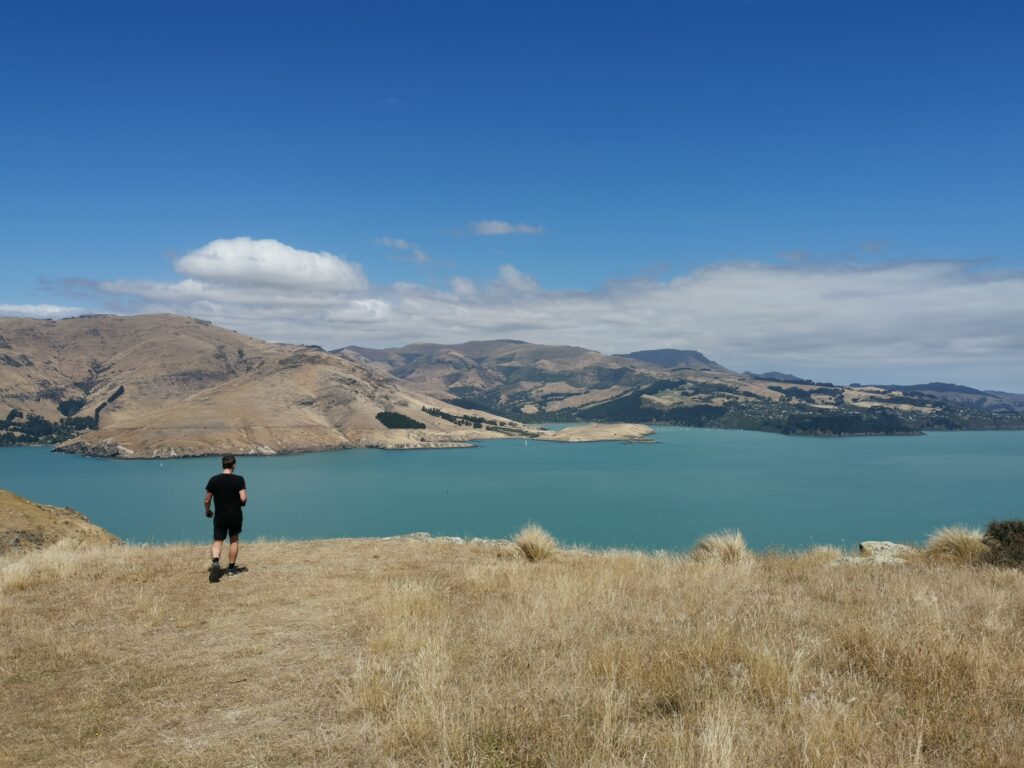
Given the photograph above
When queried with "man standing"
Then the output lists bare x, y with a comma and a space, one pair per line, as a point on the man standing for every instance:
227, 491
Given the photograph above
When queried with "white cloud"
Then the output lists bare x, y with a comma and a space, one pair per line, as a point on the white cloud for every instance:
463, 286
510, 277
494, 227
893, 322
399, 244
393, 242
38, 310
244, 261
360, 311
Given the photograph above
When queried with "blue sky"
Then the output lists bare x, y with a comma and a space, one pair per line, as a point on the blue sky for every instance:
779, 184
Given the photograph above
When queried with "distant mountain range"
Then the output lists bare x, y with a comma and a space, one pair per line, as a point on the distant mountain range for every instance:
164, 385
534, 382
956, 394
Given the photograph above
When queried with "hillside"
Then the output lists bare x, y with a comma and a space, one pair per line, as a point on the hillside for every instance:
164, 385
437, 653
533, 382
509, 375
676, 358
26, 525
958, 395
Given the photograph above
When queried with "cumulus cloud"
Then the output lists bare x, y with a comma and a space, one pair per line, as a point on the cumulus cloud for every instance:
38, 310
495, 227
244, 261
397, 243
888, 323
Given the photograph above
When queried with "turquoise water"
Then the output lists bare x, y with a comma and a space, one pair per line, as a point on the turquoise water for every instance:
780, 491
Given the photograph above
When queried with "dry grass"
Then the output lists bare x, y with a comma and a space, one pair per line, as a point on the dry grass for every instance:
956, 544
723, 547
405, 653
535, 543
825, 553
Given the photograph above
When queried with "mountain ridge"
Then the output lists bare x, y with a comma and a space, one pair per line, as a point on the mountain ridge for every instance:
535, 382
166, 385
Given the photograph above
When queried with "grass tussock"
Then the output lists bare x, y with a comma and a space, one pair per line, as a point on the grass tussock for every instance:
725, 547
535, 543
957, 545
405, 653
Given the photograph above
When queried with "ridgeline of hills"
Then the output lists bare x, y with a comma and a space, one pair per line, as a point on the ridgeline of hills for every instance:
165, 385
537, 383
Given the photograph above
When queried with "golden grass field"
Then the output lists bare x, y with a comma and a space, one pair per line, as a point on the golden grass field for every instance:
432, 653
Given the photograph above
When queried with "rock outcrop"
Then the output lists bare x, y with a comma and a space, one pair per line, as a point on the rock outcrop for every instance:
880, 553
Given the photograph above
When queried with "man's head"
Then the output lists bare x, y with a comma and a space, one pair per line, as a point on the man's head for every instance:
227, 461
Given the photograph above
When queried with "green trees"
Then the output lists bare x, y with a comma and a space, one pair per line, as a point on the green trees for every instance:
393, 420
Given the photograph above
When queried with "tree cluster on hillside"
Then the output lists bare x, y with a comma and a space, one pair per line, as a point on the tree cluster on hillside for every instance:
463, 420
394, 420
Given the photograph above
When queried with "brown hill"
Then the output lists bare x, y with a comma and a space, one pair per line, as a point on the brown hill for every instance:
523, 380
535, 382
677, 358
513, 376
164, 385
27, 525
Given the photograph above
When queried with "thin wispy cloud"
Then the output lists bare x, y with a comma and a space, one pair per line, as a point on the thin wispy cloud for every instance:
491, 227
38, 310
872, 322
397, 243
794, 256
510, 277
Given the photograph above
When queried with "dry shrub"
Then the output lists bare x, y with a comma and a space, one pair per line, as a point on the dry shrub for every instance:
956, 544
535, 543
725, 547
1005, 541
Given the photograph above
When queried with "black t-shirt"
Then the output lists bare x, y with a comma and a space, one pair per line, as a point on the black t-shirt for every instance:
225, 488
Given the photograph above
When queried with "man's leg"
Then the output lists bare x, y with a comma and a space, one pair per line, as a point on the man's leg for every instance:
215, 569
233, 549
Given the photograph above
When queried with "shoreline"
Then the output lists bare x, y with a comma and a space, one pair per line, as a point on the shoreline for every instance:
584, 433
476, 441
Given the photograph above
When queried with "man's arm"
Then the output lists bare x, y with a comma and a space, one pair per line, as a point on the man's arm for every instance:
206, 503
243, 496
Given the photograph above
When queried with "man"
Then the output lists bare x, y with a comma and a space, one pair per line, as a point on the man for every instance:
227, 491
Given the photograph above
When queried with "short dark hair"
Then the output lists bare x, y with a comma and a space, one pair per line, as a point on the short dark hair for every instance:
227, 460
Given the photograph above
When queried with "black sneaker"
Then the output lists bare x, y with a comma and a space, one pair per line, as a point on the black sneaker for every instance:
215, 573
234, 570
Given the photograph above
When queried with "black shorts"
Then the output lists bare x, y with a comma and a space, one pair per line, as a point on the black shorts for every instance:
226, 526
